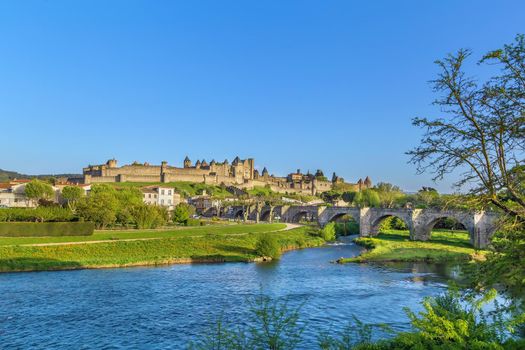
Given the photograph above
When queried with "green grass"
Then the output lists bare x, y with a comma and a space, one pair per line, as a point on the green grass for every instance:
394, 245
110, 235
200, 244
182, 187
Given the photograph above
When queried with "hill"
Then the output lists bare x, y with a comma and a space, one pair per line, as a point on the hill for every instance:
6, 175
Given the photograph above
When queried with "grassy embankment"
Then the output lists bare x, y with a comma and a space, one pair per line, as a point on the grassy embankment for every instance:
187, 245
394, 245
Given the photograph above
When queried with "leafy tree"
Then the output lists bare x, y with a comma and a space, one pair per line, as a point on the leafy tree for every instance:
388, 194
330, 196
72, 194
268, 246
482, 133
37, 190
182, 212
148, 216
482, 128
367, 198
100, 207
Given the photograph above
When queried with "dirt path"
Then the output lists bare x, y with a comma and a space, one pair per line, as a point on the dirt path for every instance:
288, 227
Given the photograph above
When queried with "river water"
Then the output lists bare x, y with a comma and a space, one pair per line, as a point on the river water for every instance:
166, 307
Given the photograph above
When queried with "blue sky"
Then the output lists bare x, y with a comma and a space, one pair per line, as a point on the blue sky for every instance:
293, 84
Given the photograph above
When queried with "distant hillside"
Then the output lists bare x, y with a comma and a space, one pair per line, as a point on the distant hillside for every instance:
6, 175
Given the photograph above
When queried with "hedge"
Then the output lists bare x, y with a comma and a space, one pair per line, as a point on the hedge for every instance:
40, 229
39, 214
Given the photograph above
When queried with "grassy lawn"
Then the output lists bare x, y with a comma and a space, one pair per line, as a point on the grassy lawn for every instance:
110, 235
199, 244
393, 245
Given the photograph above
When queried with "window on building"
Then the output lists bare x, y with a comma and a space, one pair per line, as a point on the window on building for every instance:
162, 201
169, 192
169, 201
155, 196
162, 192
149, 195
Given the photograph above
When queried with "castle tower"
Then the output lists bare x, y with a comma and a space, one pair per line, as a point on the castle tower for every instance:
112, 163
204, 163
198, 164
187, 162
367, 182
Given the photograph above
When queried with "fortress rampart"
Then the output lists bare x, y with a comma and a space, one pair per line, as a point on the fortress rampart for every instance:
240, 173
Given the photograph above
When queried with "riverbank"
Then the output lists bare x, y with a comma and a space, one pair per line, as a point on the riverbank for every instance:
395, 246
207, 244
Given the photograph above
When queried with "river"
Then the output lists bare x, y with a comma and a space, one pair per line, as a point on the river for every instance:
166, 307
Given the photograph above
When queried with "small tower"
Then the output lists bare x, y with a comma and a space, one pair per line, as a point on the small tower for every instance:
198, 164
112, 163
213, 162
236, 161
367, 183
187, 162
360, 184
265, 172
204, 163
334, 177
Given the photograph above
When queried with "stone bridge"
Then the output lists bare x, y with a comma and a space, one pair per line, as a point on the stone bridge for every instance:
480, 225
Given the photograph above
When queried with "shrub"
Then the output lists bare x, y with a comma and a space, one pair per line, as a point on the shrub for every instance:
33, 229
328, 232
193, 222
148, 216
182, 213
42, 214
268, 246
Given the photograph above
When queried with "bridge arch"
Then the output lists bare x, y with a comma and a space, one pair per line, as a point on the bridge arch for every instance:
238, 214
424, 229
303, 214
377, 220
265, 215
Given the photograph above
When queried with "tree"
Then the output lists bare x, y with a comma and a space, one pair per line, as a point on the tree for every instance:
72, 194
100, 207
388, 194
482, 134
37, 190
367, 198
482, 130
349, 196
182, 212
149, 216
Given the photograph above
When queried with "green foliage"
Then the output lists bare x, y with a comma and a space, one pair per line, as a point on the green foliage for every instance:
149, 216
367, 198
331, 196
268, 246
37, 190
348, 196
72, 194
388, 194
33, 229
272, 324
328, 232
346, 228
42, 214
392, 223
182, 213
100, 207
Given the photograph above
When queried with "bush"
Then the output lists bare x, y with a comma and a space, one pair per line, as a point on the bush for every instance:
33, 229
347, 228
182, 213
148, 216
328, 232
194, 222
268, 246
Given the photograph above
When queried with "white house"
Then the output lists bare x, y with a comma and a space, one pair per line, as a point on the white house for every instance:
163, 196
12, 194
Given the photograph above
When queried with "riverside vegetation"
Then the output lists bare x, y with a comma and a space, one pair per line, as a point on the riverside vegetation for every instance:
234, 243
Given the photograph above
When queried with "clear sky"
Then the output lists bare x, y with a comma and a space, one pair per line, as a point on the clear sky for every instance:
294, 84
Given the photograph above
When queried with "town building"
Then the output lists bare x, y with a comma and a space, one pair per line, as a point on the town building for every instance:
161, 196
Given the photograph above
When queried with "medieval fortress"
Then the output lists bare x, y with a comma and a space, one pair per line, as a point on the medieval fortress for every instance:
240, 173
